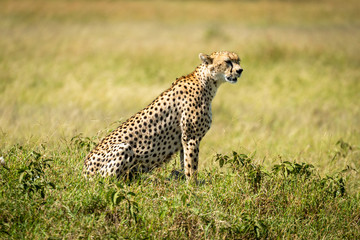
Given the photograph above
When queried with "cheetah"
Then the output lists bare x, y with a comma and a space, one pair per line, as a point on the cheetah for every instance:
175, 121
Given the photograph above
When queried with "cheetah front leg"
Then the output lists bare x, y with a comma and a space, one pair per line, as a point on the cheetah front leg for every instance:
182, 159
179, 174
190, 157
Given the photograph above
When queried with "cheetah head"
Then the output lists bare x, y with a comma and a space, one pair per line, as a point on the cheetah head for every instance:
222, 66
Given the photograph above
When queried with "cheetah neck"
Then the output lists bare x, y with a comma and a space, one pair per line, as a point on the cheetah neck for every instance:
206, 80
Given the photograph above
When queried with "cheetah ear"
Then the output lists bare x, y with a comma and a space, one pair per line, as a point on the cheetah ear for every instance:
205, 58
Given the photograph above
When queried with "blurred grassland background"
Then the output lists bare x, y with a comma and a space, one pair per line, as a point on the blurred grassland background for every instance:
71, 67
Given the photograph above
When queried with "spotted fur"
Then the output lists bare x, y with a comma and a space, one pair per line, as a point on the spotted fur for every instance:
175, 121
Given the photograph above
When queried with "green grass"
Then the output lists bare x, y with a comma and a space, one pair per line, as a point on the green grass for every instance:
81, 67
48, 198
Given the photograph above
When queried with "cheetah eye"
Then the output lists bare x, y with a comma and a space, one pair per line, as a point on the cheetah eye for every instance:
228, 62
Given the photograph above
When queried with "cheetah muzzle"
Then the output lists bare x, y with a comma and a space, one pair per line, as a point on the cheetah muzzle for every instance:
175, 121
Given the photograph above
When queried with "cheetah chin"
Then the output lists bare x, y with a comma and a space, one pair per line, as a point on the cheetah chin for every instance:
175, 121
231, 80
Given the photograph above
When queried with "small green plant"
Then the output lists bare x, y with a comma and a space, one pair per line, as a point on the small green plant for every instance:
116, 196
81, 142
244, 164
336, 183
253, 226
293, 169
32, 177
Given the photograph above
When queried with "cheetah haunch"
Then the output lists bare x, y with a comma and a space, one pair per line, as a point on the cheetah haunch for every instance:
175, 121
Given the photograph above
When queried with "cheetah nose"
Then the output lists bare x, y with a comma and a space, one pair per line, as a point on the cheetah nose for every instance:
239, 71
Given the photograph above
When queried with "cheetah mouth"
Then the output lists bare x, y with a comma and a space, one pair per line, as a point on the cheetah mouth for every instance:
231, 79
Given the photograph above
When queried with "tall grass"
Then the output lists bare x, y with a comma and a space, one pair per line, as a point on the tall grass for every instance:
78, 68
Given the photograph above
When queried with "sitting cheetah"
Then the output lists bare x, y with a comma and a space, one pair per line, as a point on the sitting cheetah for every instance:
175, 121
